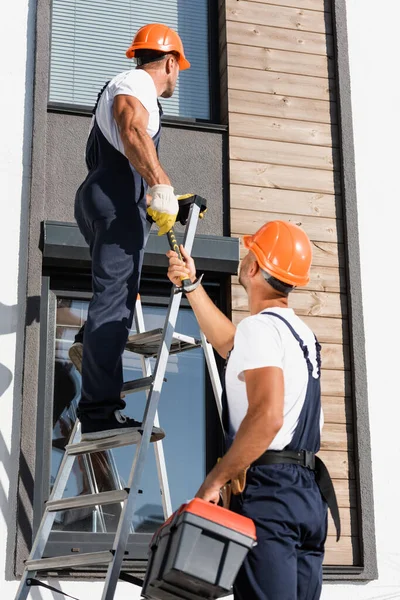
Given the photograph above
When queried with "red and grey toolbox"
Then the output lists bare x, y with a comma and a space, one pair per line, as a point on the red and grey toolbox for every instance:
197, 553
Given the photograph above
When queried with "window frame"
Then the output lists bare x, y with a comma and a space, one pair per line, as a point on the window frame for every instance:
214, 93
52, 288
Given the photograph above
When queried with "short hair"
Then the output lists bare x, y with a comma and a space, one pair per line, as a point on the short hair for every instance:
144, 57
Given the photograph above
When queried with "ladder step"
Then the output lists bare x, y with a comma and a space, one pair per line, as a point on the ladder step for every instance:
117, 441
148, 343
138, 385
112, 497
71, 560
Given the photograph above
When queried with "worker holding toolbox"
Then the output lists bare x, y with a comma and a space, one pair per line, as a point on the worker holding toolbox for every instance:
272, 417
124, 185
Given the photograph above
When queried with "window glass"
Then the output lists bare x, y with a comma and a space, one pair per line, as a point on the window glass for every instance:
181, 413
89, 39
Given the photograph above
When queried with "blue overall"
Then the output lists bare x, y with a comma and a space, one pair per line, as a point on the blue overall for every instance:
110, 209
289, 512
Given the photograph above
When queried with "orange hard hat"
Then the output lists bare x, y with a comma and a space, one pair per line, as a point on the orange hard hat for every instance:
283, 250
161, 38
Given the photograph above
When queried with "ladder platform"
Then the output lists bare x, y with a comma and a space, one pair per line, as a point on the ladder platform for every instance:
112, 497
117, 441
138, 385
148, 343
70, 561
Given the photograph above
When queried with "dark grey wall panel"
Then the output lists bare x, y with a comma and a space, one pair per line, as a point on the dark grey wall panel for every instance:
193, 160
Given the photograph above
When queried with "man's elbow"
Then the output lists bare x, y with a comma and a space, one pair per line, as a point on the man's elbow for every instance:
276, 424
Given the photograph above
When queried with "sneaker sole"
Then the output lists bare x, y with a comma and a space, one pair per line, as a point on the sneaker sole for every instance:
156, 436
75, 355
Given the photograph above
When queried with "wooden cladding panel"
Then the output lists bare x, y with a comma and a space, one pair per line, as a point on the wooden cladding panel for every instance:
283, 153
319, 229
283, 177
273, 200
283, 130
280, 61
281, 106
268, 82
250, 34
259, 13
344, 552
319, 5
285, 164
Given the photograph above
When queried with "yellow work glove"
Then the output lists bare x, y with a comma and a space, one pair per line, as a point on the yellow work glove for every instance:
163, 207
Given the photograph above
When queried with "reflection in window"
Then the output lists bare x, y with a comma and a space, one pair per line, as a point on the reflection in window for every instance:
181, 413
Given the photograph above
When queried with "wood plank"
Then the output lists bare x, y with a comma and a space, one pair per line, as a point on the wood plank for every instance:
340, 464
283, 130
286, 107
345, 492
281, 177
268, 82
344, 552
327, 329
284, 153
348, 520
285, 201
337, 409
303, 302
318, 229
248, 34
328, 254
258, 13
335, 383
337, 437
321, 5
280, 61
335, 357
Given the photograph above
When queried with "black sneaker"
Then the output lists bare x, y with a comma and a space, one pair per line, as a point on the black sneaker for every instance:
119, 424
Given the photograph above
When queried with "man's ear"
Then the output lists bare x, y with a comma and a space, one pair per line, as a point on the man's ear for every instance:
169, 65
253, 269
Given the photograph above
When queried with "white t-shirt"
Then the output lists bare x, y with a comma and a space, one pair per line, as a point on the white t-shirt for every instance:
262, 341
137, 83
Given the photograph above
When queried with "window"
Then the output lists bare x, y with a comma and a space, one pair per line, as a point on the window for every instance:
190, 421
89, 39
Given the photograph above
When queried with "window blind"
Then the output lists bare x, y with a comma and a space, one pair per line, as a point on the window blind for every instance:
89, 39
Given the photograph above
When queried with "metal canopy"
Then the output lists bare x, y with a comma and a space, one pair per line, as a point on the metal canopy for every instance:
63, 242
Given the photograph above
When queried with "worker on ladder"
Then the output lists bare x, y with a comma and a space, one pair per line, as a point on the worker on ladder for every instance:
272, 417
125, 182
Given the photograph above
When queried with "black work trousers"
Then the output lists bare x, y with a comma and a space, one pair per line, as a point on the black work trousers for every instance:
116, 240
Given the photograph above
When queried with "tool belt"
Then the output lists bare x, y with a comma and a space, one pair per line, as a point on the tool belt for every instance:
303, 458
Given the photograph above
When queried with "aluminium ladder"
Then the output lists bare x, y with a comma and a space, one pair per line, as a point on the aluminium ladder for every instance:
146, 344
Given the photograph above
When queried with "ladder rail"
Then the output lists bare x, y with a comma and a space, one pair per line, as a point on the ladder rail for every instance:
122, 534
158, 446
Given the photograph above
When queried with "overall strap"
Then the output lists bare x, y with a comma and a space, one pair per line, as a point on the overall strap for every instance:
302, 345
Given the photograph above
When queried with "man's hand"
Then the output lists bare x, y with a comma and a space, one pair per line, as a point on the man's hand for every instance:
163, 207
209, 492
179, 269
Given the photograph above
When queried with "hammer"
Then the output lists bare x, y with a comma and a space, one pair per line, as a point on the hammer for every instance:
187, 285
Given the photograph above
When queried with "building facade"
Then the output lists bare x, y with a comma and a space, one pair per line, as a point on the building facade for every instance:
282, 116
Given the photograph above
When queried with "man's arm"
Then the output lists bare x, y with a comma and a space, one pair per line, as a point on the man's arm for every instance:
217, 328
264, 419
132, 120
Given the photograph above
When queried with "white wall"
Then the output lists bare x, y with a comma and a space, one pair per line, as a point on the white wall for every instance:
374, 67
14, 183
374, 56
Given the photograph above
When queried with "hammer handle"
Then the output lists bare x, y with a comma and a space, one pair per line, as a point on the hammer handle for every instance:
175, 247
